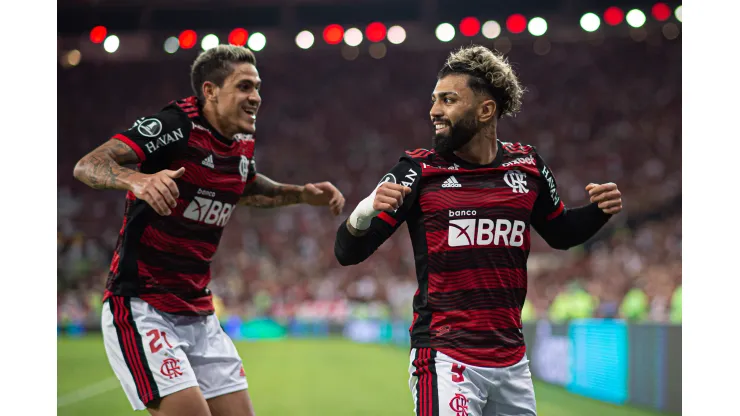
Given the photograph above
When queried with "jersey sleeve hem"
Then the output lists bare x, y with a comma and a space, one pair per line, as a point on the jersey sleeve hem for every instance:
132, 144
557, 212
387, 218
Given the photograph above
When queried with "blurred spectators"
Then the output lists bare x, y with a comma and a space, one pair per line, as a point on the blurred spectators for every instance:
607, 113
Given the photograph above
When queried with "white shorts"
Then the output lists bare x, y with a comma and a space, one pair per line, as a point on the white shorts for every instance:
155, 354
442, 386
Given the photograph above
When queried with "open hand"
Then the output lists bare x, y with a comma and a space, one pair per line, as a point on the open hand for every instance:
322, 194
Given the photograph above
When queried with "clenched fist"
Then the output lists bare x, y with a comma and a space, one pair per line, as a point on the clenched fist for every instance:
389, 196
607, 196
158, 190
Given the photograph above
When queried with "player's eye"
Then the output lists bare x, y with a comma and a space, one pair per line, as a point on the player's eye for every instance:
449, 101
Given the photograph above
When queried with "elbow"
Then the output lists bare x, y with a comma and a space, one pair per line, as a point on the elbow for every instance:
78, 171
343, 257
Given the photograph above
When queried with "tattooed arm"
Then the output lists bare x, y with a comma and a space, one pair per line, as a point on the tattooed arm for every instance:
101, 168
266, 193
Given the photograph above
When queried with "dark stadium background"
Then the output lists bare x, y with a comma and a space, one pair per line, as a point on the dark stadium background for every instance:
603, 321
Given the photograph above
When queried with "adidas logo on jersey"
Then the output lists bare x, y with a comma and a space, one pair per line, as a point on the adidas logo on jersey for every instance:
208, 162
451, 182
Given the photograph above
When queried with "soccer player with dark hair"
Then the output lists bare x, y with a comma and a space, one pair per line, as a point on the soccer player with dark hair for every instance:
469, 204
195, 165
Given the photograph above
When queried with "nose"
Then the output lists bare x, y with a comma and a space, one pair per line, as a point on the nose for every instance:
255, 99
436, 111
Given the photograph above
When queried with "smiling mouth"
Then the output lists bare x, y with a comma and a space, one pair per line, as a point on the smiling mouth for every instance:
252, 114
440, 126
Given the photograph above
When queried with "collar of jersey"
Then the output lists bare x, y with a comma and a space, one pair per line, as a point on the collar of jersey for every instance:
467, 165
220, 137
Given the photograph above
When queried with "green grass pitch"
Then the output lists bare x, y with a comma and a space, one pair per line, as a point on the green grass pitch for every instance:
294, 377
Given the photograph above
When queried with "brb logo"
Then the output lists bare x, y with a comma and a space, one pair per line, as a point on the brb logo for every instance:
208, 211
484, 232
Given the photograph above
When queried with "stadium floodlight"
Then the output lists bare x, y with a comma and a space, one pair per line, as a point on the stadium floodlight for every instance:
537, 26
97, 34
375, 32
111, 43
613, 16
353, 36
661, 12
73, 57
209, 41
679, 13
333, 34
590, 22
491, 29
469, 26
238, 37
171, 45
396, 35
636, 18
516, 23
445, 32
257, 41
304, 40
187, 39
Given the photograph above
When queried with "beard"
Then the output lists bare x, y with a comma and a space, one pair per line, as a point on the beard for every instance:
459, 135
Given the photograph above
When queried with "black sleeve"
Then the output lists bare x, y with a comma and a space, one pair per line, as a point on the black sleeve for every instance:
560, 227
350, 249
156, 138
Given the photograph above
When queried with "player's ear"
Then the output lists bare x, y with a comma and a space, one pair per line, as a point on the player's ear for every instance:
486, 110
210, 90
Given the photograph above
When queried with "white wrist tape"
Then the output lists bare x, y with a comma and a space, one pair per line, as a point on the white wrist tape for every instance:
363, 215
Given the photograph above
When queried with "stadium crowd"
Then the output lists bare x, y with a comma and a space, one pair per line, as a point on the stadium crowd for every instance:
598, 113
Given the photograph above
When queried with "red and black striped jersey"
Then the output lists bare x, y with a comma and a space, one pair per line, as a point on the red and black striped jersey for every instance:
165, 260
470, 230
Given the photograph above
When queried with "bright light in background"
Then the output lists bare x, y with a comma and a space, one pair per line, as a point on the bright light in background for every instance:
353, 36
97, 34
396, 35
209, 41
516, 23
74, 57
333, 34
257, 41
636, 18
171, 45
491, 29
445, 32
187, 39
375, 32
590, 22
304, 40
111, 43
469, 26
613, 16
679, 13
238, 37
661, 12
537, 26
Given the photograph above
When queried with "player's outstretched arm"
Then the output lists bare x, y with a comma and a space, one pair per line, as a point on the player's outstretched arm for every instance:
101, 169
263, 192
575, 226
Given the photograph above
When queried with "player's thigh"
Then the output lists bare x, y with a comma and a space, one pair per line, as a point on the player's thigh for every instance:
188, 402
216, 361
144, 351
515, 393
236, 403
442, 387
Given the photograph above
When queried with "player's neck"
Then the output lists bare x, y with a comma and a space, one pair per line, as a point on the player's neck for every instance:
210, 115
481, 149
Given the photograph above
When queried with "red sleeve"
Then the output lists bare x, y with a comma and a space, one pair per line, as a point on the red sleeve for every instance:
132, 144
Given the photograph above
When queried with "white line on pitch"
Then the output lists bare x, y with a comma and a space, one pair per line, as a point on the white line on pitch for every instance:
87, 392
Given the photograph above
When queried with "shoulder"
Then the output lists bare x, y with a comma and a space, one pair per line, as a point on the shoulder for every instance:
417, 156
517, 148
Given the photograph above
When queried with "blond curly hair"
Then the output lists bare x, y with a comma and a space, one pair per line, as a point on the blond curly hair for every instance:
490, 72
